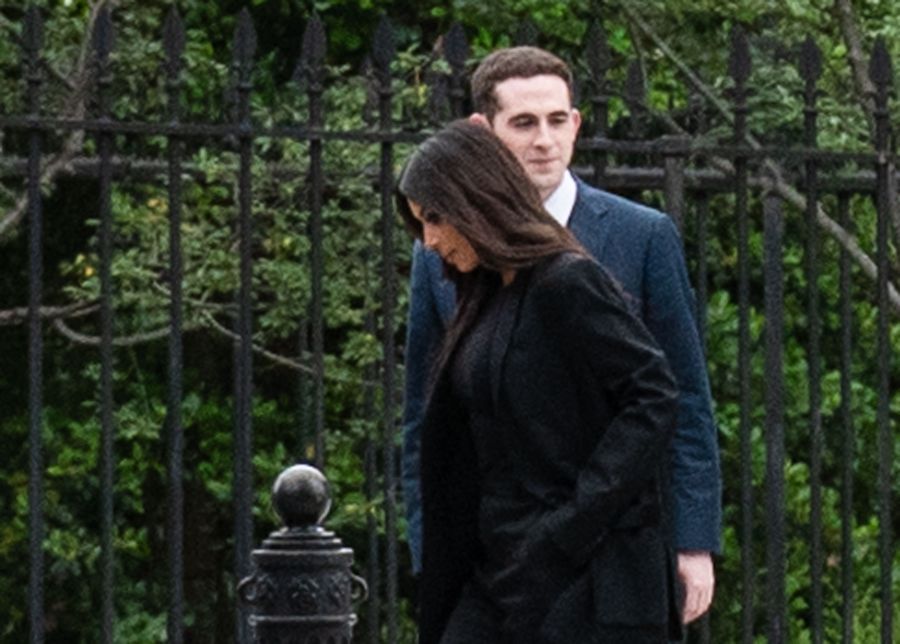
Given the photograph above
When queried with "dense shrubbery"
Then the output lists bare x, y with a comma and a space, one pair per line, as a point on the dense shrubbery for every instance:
282, 417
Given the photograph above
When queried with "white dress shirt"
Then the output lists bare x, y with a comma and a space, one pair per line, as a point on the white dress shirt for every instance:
562, 200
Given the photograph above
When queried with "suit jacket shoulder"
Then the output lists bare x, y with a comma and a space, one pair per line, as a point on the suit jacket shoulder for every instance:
642, 249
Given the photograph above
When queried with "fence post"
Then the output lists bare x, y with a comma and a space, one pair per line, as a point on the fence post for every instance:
675, 150
301, 588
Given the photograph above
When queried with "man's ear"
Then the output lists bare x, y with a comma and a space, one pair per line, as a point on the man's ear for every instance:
576, 119
480, 119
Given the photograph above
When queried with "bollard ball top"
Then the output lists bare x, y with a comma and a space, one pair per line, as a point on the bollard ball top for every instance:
301, 496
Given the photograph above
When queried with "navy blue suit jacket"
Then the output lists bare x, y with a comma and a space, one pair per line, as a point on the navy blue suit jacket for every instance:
641, 248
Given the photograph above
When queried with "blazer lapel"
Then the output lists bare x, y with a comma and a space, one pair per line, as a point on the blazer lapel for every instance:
507, 316
589, 209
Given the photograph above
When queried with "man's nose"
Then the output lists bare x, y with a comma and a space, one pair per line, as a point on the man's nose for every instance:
543, 138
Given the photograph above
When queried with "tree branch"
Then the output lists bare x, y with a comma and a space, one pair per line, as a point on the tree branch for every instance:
59, 315
865, 93
17, 39
58, 164
75, 108
638, 22
785, 190
865, 90
19, 315
894, 203
282, 360
126, 341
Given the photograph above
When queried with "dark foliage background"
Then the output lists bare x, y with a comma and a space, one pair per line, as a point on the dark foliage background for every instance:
667, 39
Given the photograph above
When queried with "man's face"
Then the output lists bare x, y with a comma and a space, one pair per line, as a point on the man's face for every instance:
536, 121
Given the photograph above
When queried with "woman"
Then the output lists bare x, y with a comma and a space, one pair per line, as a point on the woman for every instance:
547, 423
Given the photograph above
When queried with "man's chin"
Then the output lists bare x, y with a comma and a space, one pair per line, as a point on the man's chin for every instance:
545, 182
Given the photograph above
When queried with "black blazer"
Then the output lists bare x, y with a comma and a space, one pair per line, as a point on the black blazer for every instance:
592, 404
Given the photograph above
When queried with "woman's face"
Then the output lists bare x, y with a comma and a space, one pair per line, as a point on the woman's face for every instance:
445, 239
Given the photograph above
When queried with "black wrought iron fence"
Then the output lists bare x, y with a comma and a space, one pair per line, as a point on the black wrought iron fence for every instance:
764, 226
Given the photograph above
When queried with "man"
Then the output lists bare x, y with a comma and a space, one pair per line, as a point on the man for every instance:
524, 95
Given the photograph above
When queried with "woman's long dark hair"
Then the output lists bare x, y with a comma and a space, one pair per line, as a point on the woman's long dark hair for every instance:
465, 176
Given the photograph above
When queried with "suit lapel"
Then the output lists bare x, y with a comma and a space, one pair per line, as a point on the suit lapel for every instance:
507, 316
589, 209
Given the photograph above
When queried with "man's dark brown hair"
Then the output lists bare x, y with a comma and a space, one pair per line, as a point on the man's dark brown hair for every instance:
513, 62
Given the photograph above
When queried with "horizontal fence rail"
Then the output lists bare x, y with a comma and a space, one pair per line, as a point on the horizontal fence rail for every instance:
784, 244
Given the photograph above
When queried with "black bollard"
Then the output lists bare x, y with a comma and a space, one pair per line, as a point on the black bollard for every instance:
302, 587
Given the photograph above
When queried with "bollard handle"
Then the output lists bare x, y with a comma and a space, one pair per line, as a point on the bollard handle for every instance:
359, 589
249, 590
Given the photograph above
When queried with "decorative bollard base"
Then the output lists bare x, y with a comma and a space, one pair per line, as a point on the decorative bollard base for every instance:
302, 589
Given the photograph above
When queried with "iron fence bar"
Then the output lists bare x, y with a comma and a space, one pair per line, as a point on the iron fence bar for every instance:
708, 180
616, 178
739, 65
310, 387
373, 573
304, 392
848, 453
245, 47
810, 68
456, 52
174, 44
317, 187
773, 235
597, 143
746, 451
634, 94
885, 440
215, 131
526, 33
102, 46
881, 76
701, 288
693, 148
673, 184
701, 302
695, 103
383, 53
32, 42
317, 267
598, 58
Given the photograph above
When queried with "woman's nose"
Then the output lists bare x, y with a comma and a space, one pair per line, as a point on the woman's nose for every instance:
430, 236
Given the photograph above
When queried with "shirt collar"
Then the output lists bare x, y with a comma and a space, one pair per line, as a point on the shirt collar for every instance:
562, 200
